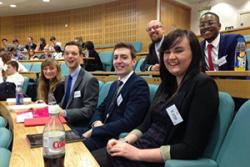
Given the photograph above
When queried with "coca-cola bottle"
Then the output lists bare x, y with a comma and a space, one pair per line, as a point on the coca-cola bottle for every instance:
54, 140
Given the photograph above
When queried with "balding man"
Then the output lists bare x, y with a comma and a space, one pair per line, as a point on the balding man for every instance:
156, 33
219, 48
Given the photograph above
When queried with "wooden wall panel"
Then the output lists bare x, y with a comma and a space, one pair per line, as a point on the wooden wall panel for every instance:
175, 15
122, 20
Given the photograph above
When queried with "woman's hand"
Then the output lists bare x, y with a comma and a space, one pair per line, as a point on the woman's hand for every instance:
118, 148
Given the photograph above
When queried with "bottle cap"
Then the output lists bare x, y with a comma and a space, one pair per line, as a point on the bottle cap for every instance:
53, 109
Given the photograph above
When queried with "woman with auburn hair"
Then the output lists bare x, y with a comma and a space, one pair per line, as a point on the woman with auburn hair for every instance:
51, 83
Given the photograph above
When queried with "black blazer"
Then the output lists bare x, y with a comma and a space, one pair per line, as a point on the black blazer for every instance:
151, 58
197, 102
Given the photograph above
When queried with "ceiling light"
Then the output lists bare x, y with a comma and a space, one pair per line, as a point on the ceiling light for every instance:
12, 5
46, 0
1, 3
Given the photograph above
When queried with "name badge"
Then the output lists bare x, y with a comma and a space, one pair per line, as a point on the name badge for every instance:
77, 94
221, 61
174, 114
119, 100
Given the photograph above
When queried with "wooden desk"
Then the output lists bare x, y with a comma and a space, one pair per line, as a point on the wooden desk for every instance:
31, 75
76, 155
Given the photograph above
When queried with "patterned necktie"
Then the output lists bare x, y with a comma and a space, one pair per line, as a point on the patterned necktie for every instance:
69, 83
209, 59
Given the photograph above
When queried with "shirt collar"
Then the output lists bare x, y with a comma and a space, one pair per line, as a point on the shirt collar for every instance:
75, 72
215, 42
124, 79
158, 44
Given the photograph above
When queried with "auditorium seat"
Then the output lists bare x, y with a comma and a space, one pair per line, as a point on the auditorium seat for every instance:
5, 137
27, 66
3, 122
222, 123
4, 157
137, 45
103, 92
138, 64
36, 67
25, 84
64, 69
107, 59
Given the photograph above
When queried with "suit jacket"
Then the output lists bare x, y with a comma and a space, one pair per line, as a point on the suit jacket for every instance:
227, 46
127, 115
197, 102
81, 108
151, 58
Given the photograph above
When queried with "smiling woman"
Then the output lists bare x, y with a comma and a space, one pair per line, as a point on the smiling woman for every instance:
51, 85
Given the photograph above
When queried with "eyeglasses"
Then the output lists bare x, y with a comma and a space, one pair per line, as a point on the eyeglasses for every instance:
155, 27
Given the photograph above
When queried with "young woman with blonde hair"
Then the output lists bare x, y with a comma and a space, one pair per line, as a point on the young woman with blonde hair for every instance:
51, 82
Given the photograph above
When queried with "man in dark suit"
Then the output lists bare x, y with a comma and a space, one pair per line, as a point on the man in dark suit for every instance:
125, 105
80, 100
219, 49
30, 44
156, 33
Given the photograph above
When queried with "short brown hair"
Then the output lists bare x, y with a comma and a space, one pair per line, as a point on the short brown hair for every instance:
75, 44
126, 45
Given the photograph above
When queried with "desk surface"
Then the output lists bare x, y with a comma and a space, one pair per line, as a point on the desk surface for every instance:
76, 155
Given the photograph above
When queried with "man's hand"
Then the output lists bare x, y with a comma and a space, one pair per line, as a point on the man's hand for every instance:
155, 67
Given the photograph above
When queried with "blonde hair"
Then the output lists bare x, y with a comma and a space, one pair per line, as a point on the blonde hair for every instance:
45, 86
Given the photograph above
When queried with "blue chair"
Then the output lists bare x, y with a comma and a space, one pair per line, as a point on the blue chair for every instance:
223, 121
25, 84
64, 69
248, 59
138, 64
247, 37
4, 157
107, 60
103, 92
3, 122
137, 45
36, 67
152, 90
5, 137
27, 66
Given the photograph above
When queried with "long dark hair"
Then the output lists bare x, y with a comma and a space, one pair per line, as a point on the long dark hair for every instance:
168, 84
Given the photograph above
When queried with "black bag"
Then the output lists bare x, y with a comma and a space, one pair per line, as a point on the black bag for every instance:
7, 90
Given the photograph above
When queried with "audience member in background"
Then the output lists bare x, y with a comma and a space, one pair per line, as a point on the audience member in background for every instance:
30, 44
58, 53
54, 43
181, 118
125, 105
5, 43
156, 33
81, 90
12, 74
41, 44
92, 65
219, 48
46, 54
51, 83
18, 46
32, 55
6, 57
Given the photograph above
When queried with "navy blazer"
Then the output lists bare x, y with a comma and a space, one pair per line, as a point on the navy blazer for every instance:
126, 116
151, 58
227, 46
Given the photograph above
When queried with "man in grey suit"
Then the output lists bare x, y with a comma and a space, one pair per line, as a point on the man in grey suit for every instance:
82, 89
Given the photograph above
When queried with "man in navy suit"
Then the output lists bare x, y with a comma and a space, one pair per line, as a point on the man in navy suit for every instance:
219, 49
156, 33
125, 105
